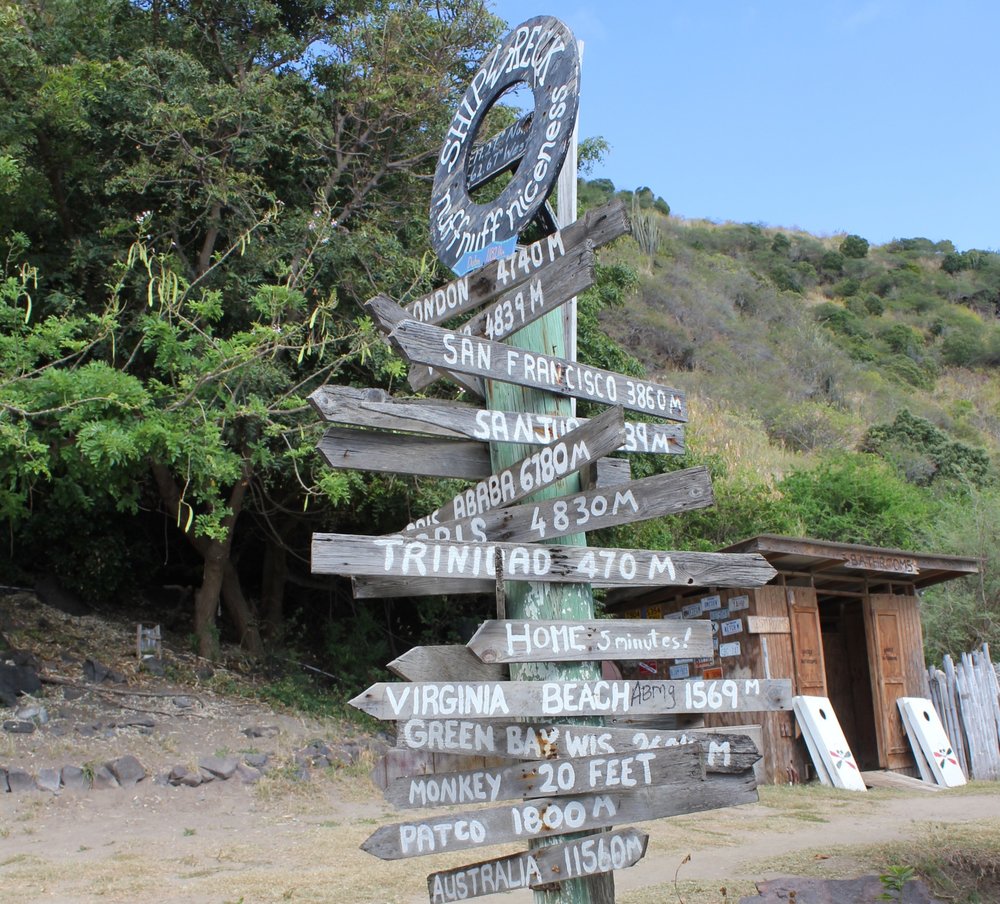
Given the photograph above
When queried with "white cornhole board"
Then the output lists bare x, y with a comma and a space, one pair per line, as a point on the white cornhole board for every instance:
923, 766
827, 744
926, 732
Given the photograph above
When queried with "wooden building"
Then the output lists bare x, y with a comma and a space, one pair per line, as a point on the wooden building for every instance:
841, 620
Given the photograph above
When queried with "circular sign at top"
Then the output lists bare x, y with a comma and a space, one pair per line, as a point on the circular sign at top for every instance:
542, 54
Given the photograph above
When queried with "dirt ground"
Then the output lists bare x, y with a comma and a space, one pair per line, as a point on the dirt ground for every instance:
289, 839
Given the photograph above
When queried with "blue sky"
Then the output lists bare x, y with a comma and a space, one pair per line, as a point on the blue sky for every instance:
878, 118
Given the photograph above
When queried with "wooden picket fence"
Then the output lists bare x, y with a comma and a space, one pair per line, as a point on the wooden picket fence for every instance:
966, 696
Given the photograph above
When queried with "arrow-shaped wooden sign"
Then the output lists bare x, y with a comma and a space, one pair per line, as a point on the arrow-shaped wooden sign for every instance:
537, 470
722, 752
640, 500
551, 287
428, 456
545, 817
445, 662
599, 853
472, 291
551, 699
512, 640
378, 409
544, 778
360, 554
451, 351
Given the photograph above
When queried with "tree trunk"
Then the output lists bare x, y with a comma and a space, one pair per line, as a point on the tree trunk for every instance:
214, 578
273, 590
206, 602
240, 611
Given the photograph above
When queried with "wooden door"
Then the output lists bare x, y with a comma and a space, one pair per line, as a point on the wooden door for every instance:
895, 652
807, 641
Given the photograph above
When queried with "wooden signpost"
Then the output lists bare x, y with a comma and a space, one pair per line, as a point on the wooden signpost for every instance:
377, 409
575, 699
540, 868
525, 444
428, 456
547, 816
607, 772
524, 304
539, 469
451, 351
640, 500
358, 554
471, 292
512, 640
550, 740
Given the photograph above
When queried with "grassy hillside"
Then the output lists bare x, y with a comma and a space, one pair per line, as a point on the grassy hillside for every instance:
836, 389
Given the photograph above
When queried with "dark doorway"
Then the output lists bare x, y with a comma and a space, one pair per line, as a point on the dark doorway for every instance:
848, 675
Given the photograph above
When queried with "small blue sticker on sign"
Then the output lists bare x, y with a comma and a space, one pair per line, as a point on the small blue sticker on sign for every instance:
473, 260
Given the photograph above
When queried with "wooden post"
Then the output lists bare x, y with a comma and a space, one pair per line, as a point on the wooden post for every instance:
548, 601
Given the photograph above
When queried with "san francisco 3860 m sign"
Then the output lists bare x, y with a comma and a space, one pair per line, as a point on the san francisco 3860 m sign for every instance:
542, 54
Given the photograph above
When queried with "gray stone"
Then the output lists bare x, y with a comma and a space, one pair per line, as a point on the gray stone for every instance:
16, 726
261, 731
183, 702
256, 760
181, 775
4, 787
32, 712
73, 693
49, 779
154, 666
20, 780
248, 774
206, 776
127, 769
104, 778
98, 673
74, 778
220, 766
137, 722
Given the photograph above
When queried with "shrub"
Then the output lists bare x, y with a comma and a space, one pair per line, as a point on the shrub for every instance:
857, 498
781, 243
832, 262
874, 305
854, 246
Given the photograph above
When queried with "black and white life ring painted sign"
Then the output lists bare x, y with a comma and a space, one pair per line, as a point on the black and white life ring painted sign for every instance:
542, 54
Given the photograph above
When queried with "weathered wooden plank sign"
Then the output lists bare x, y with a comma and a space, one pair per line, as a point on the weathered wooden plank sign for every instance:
537, 470
544, 817
512, 640
378, 409
546, 778
360, 554
640, 500
472, 291
367, 450
540, 867
722, 752
445, 662
551, 287
506, 699
471, 355
368, 588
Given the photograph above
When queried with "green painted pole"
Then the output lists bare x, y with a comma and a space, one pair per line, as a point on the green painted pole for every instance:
548, 601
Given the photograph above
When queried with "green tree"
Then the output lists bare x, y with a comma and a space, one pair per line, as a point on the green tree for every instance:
239, 175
